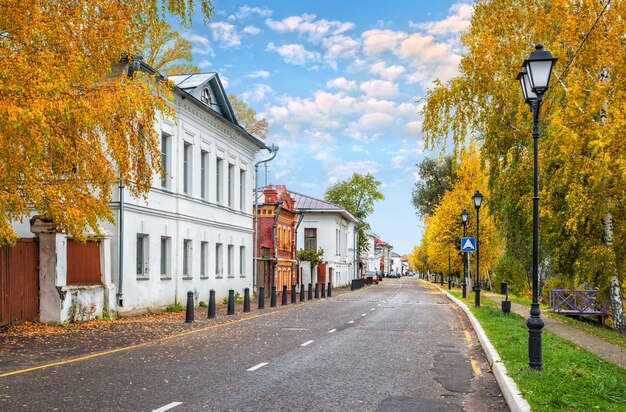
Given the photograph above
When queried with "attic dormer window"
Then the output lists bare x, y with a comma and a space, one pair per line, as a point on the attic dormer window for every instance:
205, 97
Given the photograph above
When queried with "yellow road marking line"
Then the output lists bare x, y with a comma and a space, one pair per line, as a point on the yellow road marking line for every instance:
139, 345
473, 362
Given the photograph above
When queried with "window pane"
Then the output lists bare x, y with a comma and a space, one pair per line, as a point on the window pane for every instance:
186, 167
163, 256
242, 260
218, 180
164, 159
140, 255
242, 190
204, 158
231, 185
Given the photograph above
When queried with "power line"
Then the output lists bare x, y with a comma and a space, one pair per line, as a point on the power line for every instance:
564, 72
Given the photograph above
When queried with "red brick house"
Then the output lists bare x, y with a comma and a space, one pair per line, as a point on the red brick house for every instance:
276, 252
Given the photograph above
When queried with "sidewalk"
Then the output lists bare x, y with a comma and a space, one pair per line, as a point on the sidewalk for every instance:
608, 351
34, 344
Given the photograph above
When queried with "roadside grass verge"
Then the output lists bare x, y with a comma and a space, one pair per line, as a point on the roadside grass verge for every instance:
588, 325
572, 378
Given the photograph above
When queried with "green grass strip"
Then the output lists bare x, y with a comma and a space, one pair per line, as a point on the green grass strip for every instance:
571, 379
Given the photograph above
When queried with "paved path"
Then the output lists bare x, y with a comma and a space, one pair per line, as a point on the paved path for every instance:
608, 351
397, 346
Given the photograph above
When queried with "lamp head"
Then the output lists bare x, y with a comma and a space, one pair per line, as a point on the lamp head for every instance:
464, 216
539, 66
478, 199
529, 95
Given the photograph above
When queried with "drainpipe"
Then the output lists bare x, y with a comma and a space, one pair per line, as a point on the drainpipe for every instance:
120, 260
280, 207
273, 151
295, 245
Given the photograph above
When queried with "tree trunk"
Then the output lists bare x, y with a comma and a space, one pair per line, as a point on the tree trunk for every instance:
615, 295
619, 322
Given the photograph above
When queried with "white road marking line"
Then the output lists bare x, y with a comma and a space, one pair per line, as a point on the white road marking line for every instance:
351, 321
372, 308
364, 314
168, 406
259, 366
379, 304
308, 342
332, 330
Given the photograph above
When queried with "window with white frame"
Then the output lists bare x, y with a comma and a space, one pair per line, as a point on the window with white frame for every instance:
187, 259
187, 168
242, 190
337, 242
219, 262
218, 180
231, 185
204, 170
142, 250
165, 159
231, 261
166, 256
242, 261
204, 259
310, 238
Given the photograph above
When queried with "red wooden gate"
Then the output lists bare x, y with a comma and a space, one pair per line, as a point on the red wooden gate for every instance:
19, 282
83, 263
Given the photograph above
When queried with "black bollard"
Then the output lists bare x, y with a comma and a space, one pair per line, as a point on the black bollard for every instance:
261, 297
449, 283
310, 294
246, 300
231, 302
283, 301
294, 296
352, 284
273, 297
330, 285
301, 293
211, 304
323, 291
317, 291
189, 314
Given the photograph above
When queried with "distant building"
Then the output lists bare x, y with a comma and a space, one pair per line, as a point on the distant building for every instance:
383, 249
330, 227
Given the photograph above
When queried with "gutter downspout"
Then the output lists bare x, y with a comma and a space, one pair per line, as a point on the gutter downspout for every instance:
273, 151
280, 207
120, 260
295, 245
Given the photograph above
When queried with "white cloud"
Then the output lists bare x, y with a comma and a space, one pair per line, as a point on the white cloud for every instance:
200, 44
341, 83
372, 105
258, 93
413, 128
225, 80
344, 170
359, 149
409, 109
457, 21
423, 48
380, 89
318, 136
324, 110
397, 162
387, 72
251, 30
263, 74
340, 46
374, 121
379, 41
306, 25
205, 64
246, 11
226, 34
294, 53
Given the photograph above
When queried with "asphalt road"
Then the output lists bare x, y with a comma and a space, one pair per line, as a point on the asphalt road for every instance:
396, 346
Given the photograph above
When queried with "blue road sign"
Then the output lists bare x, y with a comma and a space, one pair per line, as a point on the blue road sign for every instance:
468, 244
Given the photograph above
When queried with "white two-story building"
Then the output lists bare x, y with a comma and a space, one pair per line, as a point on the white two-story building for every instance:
193, 232
330, 227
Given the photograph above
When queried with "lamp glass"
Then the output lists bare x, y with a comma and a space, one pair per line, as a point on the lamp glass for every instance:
478, 199
529, 94
464, 216
539, 66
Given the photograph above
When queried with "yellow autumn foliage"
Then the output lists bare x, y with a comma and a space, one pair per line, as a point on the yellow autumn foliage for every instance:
71, 121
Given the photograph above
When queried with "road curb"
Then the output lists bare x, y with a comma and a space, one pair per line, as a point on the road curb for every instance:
511, 392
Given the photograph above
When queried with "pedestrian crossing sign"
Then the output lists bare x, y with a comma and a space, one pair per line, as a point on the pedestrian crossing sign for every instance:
468, 244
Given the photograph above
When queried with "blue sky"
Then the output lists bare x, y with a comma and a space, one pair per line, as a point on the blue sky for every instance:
340, 83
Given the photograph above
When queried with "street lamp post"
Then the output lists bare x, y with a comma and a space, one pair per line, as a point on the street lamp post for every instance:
478, 199
464, 216
534, 79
